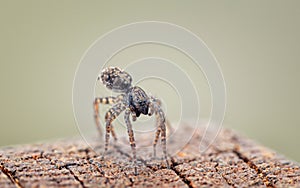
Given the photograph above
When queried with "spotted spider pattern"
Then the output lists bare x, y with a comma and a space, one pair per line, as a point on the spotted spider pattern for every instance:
134, 101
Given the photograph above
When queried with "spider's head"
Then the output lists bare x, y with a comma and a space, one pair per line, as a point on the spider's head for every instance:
138, 101
115, 79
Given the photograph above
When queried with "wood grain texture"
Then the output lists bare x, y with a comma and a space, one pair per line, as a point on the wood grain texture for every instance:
232, 161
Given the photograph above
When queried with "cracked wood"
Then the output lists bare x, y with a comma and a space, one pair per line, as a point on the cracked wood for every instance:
232, 161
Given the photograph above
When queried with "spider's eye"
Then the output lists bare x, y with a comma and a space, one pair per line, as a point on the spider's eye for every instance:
105, 78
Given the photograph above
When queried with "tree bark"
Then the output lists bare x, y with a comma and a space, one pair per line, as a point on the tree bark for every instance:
231, 161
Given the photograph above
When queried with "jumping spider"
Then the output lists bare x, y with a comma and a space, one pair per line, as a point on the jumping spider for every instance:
134, 101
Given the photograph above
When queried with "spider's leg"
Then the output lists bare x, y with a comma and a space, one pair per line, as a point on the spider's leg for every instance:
133, 115
97, 102
158, 131
168, 124
163, 133
111, 115
131, 139
113, 133
170, 129
104, 100
162, 126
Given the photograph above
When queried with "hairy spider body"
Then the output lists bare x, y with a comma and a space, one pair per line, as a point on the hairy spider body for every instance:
116, 80
138, 101
134, 101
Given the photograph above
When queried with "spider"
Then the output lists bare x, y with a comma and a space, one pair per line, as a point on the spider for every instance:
134, 101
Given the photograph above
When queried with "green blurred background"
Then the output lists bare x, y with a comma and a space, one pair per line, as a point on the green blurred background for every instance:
256, 43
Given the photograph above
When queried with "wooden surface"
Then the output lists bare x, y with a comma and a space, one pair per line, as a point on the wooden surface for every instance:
232, 161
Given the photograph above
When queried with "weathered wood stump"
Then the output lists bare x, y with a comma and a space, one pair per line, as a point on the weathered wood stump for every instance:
232, 161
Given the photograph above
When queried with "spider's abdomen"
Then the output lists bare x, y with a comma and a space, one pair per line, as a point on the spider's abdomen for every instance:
138, 101
116, 79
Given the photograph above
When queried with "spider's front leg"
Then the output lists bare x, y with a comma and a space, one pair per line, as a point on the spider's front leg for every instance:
96, 104
111, 115
131, 138
161, 127
170, 129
